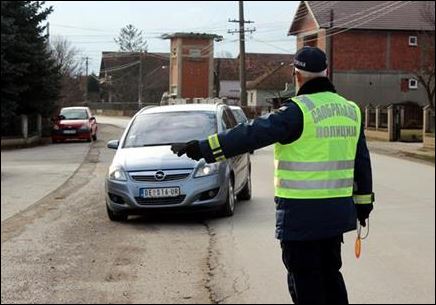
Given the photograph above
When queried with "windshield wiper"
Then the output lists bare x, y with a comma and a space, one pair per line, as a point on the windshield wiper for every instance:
157, 144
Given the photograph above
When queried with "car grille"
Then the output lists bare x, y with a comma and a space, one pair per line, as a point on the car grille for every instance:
160, 201
152, 178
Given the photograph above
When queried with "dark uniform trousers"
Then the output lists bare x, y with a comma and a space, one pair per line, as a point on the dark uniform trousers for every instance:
313, 271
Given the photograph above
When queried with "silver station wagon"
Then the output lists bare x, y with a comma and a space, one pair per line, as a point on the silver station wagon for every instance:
146, 175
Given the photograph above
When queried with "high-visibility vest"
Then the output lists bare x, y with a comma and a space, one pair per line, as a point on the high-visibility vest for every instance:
320, 164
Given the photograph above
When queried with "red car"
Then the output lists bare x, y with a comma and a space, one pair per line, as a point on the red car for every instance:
74, 123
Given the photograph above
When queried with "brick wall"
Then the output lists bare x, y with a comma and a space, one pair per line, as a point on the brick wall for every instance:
403, 56
359, 50
195, 78
195, 71
376, 51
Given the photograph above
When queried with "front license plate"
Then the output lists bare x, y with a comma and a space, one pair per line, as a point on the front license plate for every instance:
160, 192
69, 132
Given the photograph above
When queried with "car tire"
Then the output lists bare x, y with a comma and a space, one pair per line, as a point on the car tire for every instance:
94, 137
115, 216
245, 193
229, 207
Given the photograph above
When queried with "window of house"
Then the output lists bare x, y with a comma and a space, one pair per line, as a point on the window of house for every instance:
413, 41
252, 97
195, 53
413, 83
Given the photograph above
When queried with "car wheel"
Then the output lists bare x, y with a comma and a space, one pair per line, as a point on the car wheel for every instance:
115, 216
94, 137
229, 207
245, 193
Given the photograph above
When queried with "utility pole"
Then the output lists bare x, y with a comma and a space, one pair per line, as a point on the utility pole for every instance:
331, 47
241, 31
140, 81
86, 78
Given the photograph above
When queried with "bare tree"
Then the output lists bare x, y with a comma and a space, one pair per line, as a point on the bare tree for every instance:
71, 65
67, 56
425, 72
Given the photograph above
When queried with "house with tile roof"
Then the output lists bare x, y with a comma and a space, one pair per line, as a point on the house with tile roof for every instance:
374, 49
259, 66
119, 72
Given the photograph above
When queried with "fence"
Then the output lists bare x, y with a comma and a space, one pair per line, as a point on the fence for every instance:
22, 130
428, 128
12, 127
383, 118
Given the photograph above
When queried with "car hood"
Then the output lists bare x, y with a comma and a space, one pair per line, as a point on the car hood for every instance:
151, 158
74, 123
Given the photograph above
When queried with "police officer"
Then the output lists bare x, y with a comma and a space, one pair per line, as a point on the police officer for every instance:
323, 179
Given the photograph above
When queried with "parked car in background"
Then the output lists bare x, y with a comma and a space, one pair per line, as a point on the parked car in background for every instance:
74, 123
145, 174
239, 116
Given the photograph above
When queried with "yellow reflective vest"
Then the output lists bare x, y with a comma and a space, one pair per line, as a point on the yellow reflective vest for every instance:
320, 164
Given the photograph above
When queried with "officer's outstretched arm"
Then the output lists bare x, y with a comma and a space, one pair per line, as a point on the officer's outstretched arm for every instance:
284, 126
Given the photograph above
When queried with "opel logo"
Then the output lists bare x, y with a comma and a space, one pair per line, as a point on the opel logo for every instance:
159, 175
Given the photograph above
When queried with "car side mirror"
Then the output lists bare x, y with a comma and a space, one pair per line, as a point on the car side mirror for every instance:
113, 144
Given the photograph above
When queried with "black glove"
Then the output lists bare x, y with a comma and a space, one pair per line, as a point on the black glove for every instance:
363, 211
191, 149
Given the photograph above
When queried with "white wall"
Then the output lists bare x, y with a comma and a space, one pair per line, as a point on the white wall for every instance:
229, 88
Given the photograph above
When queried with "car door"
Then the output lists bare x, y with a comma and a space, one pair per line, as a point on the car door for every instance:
240, 165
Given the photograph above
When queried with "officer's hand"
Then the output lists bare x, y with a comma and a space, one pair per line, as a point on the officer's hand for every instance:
191, 149
363, 211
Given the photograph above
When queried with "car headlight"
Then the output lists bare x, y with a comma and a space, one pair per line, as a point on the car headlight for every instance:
117, 173
206, 170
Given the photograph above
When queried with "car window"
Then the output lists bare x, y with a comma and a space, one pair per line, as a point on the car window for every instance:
229, 119
239, 115
170, 127
74, 114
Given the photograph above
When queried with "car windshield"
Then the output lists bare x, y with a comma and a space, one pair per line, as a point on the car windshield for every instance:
74, 114
239, 115
170, 127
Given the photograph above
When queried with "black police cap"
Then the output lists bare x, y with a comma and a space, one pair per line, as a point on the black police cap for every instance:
310, 59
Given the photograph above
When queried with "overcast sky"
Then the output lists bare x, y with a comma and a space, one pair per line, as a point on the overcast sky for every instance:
92, 25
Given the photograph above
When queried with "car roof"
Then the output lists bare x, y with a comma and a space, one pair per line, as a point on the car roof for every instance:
235, 108
181, 108
78, 108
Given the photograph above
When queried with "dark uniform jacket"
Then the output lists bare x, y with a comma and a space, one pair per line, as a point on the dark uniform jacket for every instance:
298, 219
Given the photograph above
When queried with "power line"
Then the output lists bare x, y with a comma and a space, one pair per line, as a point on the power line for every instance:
373, 10
242, 32
120, 67
364, 22
269, 44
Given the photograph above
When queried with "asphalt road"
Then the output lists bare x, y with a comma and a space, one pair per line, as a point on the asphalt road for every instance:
64, 249
29, 174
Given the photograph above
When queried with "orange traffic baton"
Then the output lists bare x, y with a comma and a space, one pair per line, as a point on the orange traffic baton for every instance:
358, 243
